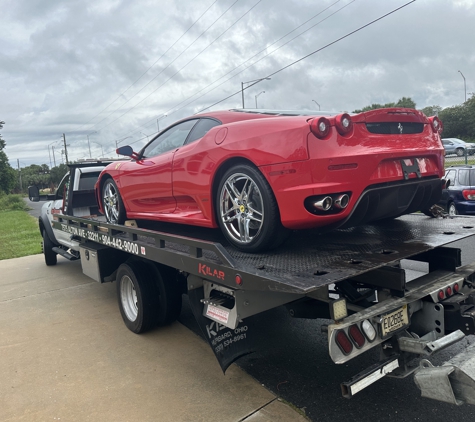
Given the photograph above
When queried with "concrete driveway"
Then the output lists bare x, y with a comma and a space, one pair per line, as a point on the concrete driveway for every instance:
66, 355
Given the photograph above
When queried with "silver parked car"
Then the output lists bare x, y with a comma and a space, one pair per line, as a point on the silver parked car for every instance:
457, 146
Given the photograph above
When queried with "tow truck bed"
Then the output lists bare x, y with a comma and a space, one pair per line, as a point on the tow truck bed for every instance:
308, 260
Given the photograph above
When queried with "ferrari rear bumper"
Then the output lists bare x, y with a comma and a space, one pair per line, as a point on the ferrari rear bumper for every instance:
376, 202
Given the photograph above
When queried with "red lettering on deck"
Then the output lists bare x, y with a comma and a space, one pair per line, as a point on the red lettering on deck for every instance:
210, 272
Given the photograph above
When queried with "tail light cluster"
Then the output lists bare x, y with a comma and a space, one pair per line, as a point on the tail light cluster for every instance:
469, 194
355, 335
436, 124
448, 291
321, 127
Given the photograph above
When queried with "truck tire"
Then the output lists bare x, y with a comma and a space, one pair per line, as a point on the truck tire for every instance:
147, 295
169, 291
51, 257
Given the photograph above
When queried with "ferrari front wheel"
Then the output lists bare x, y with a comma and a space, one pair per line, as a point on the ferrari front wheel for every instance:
248, 214
112, 203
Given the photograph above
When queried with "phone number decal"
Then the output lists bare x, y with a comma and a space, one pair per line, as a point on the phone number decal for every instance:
123, 245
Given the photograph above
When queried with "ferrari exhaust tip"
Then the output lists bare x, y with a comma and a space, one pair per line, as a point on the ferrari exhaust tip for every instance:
341, 202
324, 204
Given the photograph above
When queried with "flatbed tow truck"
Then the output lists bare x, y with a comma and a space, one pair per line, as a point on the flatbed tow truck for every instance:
354, 279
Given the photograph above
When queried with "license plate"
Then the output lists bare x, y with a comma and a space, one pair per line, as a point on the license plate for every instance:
394, 321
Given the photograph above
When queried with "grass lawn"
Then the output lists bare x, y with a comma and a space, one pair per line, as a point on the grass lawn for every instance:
19, 234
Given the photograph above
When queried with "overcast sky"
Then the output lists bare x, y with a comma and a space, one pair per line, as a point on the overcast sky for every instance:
108, 69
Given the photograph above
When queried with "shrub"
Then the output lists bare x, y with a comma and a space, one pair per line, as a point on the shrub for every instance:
12, 203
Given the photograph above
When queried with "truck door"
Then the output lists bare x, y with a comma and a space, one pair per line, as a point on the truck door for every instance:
59, 206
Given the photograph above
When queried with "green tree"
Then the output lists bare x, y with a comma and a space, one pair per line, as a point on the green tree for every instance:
57, 173
406, 102
36, 175
459, 120
7, 174
432, 110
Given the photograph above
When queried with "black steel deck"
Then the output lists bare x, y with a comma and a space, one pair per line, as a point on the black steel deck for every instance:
309, 259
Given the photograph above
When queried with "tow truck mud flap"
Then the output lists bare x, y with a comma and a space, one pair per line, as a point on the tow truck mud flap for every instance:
453, 382
228, 344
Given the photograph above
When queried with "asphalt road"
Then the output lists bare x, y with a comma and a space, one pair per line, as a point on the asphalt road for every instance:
292, 361
35, 207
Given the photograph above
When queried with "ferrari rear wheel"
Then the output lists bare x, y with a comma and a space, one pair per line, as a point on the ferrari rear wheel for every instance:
112, 203
247, 210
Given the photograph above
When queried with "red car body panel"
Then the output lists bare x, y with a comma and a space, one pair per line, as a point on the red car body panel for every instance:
178, 186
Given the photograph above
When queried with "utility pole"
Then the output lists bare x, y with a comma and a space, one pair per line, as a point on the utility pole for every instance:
54, 158
65, 149
19, 171
464, 85
49, 153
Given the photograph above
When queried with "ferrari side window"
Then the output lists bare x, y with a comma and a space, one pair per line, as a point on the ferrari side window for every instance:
171, 139
201, 129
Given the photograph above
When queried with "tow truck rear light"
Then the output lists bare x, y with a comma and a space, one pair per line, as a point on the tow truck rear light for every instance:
320, 127
357, 336
469, 194
343, 123
441, 295
368, 330
448, 291
456, 288
344, 342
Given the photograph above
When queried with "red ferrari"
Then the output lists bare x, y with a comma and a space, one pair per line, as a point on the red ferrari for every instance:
258, 174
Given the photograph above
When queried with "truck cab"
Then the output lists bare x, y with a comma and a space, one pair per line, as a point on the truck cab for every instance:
74, 197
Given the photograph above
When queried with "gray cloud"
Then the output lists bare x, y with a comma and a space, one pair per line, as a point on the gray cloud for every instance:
80, 67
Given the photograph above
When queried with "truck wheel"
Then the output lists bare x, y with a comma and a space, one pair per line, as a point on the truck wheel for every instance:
147, 295
247, 211
169, 293
112, 203
51, 257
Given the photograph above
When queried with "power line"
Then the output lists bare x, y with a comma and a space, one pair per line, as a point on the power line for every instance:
175, 109
314, 52
153, 64
148, 83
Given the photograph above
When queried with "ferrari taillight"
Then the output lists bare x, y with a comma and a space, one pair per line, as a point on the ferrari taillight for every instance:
436, 124
343, 124
320, 127
469, 194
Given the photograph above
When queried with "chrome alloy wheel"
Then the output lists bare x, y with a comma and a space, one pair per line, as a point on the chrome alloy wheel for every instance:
111, 203
128, 297
241, 208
